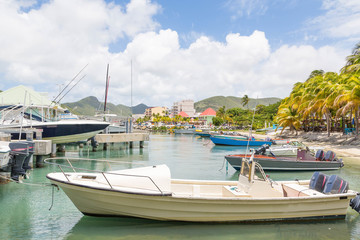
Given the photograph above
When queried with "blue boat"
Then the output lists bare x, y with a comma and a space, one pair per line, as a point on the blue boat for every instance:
222, 140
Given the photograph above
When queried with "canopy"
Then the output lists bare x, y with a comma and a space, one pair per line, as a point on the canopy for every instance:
19, 94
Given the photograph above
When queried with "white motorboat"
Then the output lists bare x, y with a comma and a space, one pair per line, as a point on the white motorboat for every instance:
59, 131
149, 192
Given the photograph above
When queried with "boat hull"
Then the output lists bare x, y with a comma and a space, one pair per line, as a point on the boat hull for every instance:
184, 131
66, 131
101, 202
238, 142
285, 164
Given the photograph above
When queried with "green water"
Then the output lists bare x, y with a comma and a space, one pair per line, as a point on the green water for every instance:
24, 209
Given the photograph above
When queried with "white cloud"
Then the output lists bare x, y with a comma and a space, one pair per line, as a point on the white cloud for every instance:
341, 19
48, 45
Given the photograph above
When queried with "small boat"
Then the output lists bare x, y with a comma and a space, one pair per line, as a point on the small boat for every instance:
290, 149
203, 134
184, 131
304, 161
237, 141
15, 158
149, 192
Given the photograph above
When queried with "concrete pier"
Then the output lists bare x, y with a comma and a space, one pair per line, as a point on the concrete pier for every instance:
129, 138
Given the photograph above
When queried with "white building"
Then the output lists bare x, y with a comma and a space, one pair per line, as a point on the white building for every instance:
186, 106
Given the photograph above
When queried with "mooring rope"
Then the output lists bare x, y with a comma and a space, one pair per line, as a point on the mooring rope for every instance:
52, 194
30, 184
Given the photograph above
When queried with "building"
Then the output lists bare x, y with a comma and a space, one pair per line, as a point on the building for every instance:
186, 106
162, 111
207, 116
183, 114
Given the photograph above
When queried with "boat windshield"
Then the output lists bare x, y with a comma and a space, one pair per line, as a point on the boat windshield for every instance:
252, 170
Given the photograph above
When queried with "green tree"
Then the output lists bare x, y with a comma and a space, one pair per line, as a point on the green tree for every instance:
245, 101
353, 61
217, 121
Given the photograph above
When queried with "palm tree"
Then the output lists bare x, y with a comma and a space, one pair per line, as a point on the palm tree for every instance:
288, 117
353, 61
348, 99
245, 100
316, 73
221, 112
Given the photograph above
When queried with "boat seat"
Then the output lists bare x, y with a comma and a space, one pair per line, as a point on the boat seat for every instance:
232, 191
296, 190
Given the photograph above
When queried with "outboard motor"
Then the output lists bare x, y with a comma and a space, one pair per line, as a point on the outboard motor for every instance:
355, 203
19, 151
31, 146
319, 155
318, 181
262, 150
336, 184
330, 156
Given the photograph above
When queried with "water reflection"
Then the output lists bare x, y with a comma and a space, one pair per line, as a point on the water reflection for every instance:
133, 228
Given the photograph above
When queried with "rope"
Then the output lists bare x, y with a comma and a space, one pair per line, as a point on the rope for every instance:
222, 165
52, 194
30, 184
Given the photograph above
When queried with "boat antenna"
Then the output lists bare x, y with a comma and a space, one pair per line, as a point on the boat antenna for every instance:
106, 87
69, 84
71, 89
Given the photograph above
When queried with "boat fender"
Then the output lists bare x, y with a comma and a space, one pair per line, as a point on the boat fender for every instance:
355, 203
319, 155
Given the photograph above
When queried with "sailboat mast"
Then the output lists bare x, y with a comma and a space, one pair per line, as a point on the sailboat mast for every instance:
106, 87
131, 103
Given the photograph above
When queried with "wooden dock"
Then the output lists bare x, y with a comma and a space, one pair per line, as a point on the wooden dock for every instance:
122, 138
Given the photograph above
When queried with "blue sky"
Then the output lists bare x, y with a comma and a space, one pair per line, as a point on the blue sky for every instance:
179, 49
282, 21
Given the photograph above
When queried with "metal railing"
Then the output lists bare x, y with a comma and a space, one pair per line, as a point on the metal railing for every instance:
103, 173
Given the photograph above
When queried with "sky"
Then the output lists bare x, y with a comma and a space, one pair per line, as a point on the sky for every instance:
163, 51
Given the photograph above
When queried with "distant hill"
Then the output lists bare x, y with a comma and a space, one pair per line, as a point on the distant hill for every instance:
90, 105
139, 109
231, 102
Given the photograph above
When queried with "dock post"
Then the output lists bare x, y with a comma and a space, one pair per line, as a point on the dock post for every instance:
131, 144
94, 144
61, 148
53, 150
39, 161
141, 144
105, 146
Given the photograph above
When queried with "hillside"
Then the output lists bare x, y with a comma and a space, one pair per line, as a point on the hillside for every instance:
89, 105
231, 102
